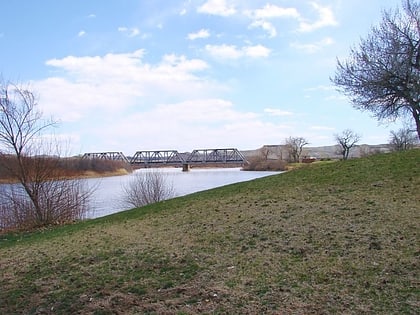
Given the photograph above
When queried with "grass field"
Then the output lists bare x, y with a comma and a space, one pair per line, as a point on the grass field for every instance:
323, 239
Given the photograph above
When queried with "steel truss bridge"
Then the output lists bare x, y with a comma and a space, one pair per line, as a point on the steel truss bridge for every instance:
114, 156
174, 158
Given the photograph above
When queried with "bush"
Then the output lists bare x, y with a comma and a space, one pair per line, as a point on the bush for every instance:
146, 188
58, 202
261, 164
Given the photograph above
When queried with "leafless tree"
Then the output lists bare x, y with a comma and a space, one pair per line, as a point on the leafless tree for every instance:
403, 139
264, 152
347, 140
147, 187
295, 146
43, 196
382, 75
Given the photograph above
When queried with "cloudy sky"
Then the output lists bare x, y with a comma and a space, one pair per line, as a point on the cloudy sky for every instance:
129, 75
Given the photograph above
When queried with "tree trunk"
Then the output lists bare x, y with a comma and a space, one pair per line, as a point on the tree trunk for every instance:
416, 115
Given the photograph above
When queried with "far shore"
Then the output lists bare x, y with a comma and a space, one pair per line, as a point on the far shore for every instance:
81, 175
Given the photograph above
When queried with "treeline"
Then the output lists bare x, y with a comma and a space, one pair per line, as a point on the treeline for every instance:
63, 167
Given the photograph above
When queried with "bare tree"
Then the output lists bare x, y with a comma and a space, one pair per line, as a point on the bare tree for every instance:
346, 140
403, 139
146, 188
264, 152
295, 146
43, 195
383, 74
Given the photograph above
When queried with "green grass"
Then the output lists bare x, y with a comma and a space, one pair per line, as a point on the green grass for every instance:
323, 239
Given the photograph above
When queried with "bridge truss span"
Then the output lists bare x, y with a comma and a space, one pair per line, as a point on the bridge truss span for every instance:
114, 156
229, 155
169, 157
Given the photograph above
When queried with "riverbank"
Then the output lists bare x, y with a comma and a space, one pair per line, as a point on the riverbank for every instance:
93, 174
324, 239
78, 175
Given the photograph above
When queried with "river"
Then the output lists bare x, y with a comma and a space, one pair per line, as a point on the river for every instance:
108, 196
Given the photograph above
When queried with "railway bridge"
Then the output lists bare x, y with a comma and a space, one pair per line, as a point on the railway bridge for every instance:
174, 158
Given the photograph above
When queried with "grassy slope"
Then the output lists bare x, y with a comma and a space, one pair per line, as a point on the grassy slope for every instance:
333, 238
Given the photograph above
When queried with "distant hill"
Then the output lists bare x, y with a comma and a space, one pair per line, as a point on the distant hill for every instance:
324, 152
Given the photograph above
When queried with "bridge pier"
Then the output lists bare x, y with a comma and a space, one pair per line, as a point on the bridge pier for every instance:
185, 167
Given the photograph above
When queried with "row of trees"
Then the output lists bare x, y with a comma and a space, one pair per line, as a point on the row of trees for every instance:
403, 139
68, 167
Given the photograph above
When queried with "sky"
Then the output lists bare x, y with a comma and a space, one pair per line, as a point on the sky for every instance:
132, 75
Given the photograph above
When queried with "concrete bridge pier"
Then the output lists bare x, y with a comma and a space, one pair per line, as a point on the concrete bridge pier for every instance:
185, 167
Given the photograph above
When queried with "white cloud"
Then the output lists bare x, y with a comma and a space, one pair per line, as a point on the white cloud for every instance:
273, 11
81, 33
182, 65
88, 66
270, 11
113, 82
114, 96
71, 101
313, 47
224, 51
131, 32
192, 124
217, 7
91, 16
266, 26
277, 112
261, 16
322, 128
326, 18
186, 7
202, 111
232, 52
203, 33
256, 51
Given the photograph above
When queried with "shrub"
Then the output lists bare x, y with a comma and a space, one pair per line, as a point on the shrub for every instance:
146, 188
261, 164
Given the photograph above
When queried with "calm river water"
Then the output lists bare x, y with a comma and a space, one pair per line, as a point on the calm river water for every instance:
108, 195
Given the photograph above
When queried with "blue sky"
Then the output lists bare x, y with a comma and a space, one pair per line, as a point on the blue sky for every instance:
129, 75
